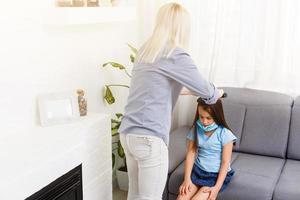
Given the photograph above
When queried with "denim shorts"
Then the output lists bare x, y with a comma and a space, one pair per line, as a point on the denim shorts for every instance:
202, 178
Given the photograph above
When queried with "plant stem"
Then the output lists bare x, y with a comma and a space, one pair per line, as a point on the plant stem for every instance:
127, 73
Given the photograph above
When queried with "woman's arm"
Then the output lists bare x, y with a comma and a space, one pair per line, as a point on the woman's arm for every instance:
181, 68
188, 166
185, 91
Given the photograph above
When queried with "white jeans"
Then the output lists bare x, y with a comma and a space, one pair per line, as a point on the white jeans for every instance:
147, 163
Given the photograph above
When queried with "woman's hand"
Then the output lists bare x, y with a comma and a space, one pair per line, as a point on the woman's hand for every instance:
221, 92
185, 91
213, 192
185, 187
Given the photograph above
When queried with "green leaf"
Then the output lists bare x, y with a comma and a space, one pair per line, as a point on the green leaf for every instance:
132, 58
113, 160
114, 121
114, 64
116, 125
121, 152
114, 131
119, 115
133, 49
109, 97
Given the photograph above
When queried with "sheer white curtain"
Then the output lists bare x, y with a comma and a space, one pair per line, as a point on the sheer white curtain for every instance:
241, 43
248, 43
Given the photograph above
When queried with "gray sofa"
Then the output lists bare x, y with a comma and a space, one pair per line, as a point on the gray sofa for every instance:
266, 157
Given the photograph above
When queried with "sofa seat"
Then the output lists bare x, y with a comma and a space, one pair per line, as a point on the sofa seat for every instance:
288, 187
176, 178
255, 178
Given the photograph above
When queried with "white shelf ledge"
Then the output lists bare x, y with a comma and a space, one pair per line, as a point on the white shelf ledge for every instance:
89, 15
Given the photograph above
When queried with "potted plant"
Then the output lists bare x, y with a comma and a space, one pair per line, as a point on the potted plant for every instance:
121, 173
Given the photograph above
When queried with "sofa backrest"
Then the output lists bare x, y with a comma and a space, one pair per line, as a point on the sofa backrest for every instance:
185, 111
264, 118
234, 116
294, 138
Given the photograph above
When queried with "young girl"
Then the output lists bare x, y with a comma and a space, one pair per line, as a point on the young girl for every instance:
207, 165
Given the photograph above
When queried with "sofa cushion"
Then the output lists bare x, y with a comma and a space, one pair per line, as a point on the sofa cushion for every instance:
186, 107
172, 197
177, 147
288, 185
297, 101
234, 156
266, 130
234, 115
176, 178
255, 177
294, 139
266, 121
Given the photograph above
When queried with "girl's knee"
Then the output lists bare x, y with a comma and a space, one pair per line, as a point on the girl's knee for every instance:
201, 195
202, 189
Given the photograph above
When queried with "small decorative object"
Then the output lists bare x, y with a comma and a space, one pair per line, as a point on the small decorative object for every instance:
92, 3
105, 3
119, 2
57, 108
78, 3
82, 102
64, 3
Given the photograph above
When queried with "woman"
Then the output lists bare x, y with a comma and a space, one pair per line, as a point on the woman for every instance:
160, 72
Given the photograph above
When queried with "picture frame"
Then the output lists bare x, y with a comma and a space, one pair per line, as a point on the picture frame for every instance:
58, 108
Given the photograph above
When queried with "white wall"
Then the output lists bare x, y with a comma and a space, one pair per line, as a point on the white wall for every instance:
38, 58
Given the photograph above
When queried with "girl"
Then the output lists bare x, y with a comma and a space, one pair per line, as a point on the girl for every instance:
207, 165
160, 71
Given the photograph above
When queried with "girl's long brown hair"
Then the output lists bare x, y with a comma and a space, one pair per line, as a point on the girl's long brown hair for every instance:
215, 111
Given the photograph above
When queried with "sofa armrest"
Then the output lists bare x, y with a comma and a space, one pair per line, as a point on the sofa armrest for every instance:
177, 147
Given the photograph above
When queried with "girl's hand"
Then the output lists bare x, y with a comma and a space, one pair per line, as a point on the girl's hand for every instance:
185, 187
213, 192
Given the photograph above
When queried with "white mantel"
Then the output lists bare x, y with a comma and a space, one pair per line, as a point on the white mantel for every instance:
28, 165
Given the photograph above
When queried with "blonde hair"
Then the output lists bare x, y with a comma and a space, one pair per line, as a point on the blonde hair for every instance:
172, 30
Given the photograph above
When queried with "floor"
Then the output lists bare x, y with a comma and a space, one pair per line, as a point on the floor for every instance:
119, 194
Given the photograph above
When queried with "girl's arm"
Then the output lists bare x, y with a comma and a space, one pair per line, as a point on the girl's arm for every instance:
226, 158
188, 166
190, 159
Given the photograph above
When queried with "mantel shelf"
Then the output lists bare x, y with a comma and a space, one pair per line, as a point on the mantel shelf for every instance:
90, 15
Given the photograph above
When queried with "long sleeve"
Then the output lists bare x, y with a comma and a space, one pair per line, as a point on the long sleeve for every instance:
182, 69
